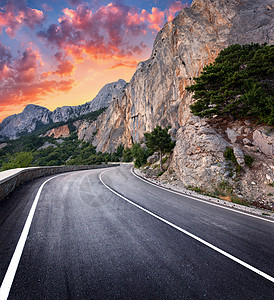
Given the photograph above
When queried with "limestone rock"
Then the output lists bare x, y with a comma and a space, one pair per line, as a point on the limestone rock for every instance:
46, 145
198, 155
232, 135
239, 156
172, 132
61, 131
247, 142
264, 142
153, 158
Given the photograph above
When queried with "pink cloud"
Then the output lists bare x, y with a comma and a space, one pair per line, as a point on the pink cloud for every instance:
16, 14
109, 31
46, 7
113, 31
65, 67
21, 79
174, 8
5, 57
156, 18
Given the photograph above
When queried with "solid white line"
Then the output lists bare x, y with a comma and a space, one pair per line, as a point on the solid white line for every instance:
200, 200
9, 277
261, 273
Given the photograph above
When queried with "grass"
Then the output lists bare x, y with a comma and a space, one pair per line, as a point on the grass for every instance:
160, 173
223, 191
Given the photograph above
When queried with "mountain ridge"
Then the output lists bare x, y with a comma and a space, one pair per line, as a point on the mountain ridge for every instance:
34, 116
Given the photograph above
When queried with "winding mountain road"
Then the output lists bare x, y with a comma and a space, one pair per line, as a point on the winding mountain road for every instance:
106, 234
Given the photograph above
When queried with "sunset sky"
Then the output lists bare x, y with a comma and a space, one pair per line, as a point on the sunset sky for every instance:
62, 52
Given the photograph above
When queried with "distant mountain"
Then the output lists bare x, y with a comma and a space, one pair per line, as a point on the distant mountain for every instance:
34, 117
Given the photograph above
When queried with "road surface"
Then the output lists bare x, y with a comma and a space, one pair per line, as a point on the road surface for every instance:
106, 234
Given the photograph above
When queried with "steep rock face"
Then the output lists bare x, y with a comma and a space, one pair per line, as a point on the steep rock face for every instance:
198, 158
107, 132
34, 116
199, 153
61, 131
156, 93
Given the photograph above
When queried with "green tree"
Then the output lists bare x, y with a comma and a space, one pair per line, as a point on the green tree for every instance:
140, 154
160, 141
127, 155
18, 160
239, 82
119, 150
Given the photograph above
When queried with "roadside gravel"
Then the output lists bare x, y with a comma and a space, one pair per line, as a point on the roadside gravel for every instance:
253, 210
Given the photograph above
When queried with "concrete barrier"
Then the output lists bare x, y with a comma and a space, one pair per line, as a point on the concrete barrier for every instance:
11, 179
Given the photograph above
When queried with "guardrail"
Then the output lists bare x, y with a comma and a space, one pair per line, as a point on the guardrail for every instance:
11, 179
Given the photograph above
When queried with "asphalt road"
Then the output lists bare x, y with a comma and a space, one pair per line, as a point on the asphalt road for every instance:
85, 242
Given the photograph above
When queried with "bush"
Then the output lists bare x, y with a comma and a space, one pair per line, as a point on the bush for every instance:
229, 155
248, 160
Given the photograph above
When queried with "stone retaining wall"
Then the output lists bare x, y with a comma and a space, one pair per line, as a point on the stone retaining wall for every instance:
10, 182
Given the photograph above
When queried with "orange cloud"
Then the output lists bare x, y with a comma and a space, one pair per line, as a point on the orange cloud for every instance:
109, 32
21, 79
126, 64
155, 19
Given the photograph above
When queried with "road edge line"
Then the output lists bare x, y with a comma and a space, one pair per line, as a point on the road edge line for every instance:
239, 261
13, 265
200, 200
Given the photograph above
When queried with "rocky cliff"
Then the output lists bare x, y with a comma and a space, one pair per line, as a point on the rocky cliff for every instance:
34, 116
61, 131
156, 94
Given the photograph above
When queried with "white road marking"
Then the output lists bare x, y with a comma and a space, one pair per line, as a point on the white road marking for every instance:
200, 200
257, 271
10, 274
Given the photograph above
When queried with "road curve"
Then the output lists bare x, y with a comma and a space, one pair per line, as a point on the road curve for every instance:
86, 242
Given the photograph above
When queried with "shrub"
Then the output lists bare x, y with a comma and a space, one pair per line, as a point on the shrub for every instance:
248, 160
229, 155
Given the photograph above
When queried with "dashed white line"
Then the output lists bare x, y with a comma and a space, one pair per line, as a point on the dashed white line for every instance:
10, 274
200, 200
257, 271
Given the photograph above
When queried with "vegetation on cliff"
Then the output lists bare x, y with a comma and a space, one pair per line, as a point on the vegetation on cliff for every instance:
240, 83
159, 140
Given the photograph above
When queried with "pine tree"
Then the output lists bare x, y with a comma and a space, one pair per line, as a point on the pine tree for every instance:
240, 83
159, 141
